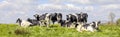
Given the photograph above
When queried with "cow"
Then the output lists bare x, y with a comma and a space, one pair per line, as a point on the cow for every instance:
41, 18
65, 23
23, 23
33, 21
89, 27
55, 17
82, 17
72, 19
49, 17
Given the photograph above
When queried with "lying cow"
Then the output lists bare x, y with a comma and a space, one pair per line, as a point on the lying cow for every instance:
89, 27
23, 23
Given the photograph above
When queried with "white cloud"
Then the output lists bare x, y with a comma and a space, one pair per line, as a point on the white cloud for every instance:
80, 1
64, 8
89, 8
23, 7
13, 7
111, 6
84, 2
70, 1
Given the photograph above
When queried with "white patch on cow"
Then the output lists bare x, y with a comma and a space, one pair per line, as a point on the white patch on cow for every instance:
75, 15
47, 19
96, 24
69, 17
80, 28
90, 28
25, 23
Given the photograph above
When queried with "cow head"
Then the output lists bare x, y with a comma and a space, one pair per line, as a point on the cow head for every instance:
96, 25
19, 21
37, 16
83, 15
30, 20
59, 16
68, 17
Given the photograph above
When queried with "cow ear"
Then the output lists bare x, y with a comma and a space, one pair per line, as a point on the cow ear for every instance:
35, 15
99, 22
67, 15
93, 22
18, 20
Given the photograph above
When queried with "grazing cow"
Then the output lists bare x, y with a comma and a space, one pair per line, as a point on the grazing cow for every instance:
41, 18
23, 23
47, 18
68, 24
55, 17
63, 23
59, 17
71, 18
89, 27
82, 17
33, 21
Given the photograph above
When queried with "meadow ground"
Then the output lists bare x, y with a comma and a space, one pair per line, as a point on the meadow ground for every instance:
13, 30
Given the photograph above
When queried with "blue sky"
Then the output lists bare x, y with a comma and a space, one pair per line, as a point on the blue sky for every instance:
10, 10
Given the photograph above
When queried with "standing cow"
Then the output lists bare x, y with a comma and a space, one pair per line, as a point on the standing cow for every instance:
41, 18
82, 17
72, 19
49, 17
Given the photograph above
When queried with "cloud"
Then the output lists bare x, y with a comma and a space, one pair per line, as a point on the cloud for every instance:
13, 9
17, 7
70, 1
85, 2
111, 6
25, 8
104, 1
63, 8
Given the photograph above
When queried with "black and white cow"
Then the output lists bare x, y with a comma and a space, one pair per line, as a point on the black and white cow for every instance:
82, 17
89, 27
73, 19
49, 17
65, 23
55, 17
23, 23
41, 18
33, 21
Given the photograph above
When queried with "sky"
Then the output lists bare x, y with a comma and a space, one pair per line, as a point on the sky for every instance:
97, 10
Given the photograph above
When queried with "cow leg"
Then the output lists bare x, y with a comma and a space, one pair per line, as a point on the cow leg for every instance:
53, 22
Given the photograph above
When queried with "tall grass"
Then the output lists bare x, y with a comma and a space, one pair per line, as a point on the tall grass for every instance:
12, 30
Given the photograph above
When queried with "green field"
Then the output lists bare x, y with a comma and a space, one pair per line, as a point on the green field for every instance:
12, 30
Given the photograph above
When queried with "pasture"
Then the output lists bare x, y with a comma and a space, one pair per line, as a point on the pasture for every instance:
13, 30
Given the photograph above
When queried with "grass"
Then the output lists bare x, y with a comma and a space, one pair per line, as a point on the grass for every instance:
13, 30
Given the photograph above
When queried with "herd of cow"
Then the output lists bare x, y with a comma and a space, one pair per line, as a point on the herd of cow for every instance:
76, 20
